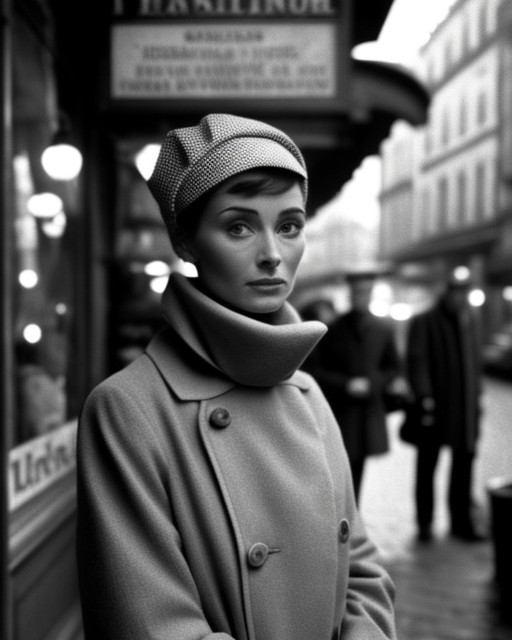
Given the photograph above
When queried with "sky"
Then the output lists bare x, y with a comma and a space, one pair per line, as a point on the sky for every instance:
407, 27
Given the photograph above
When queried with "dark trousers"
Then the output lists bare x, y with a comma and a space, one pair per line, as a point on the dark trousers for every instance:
459, 493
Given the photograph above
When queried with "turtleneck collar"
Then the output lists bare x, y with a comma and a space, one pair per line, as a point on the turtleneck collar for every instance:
248, 351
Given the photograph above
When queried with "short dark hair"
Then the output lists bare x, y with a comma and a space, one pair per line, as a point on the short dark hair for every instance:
268, 181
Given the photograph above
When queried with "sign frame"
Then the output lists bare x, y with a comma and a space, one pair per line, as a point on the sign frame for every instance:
339, 76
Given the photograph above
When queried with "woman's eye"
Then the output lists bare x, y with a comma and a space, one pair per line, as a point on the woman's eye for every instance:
291, 228
238, 229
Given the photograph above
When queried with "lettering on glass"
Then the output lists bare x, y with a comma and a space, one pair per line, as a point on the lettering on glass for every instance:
35, 465
223, 61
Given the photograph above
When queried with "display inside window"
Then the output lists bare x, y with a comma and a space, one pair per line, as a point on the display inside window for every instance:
45, 241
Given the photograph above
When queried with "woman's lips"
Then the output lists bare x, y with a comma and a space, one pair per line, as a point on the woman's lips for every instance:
267, 282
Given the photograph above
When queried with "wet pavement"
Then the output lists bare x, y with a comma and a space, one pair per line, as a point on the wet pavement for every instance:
445, 588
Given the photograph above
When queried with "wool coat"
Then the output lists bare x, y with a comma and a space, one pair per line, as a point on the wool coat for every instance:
444, 363
214, 508
358, 345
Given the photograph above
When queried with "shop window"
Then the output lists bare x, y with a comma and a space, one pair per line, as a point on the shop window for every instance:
46, 250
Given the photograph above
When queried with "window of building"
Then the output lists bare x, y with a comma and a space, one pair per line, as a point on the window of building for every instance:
461, 198
483, 21
481, 115
480, 177
466, 45
448, 56
442, 203
445, 129
424, 226
463, 117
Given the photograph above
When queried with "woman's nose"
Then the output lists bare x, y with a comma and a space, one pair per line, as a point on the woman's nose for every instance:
269, 254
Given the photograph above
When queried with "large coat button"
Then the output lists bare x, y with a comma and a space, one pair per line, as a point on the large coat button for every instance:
257, 554
344, 531
220, 418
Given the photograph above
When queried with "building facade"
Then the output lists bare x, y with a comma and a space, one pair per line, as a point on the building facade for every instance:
445, 197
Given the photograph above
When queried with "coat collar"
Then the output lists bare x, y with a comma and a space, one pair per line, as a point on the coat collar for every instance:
218, 349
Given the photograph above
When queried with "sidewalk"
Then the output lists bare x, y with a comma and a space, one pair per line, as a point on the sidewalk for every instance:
445, 588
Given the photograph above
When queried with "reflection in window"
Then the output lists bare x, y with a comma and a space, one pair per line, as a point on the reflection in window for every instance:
44, 234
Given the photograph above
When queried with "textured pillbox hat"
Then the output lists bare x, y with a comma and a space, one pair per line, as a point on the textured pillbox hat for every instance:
192, 160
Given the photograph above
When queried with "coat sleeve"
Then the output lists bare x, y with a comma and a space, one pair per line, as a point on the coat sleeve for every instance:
134, 579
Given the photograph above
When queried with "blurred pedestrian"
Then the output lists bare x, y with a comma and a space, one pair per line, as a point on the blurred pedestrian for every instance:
321, 309
444, 370
358, 367
214, 491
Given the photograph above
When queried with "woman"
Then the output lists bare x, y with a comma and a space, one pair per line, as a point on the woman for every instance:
214, 492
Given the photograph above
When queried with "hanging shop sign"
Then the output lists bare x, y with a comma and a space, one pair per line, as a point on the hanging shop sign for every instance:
232, 51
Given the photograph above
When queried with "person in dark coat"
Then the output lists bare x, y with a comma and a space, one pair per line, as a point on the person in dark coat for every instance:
444, 371
214, 495
357, 366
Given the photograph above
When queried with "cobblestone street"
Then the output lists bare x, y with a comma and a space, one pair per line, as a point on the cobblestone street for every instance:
445, 589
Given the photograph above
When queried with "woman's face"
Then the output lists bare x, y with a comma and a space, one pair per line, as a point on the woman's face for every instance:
247, 248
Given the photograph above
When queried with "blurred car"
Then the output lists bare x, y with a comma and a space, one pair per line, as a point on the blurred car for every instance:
497, 353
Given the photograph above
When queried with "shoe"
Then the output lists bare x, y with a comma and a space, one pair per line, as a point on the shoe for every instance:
468, 534
425, 534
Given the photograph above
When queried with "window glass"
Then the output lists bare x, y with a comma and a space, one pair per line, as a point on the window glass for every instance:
46, 251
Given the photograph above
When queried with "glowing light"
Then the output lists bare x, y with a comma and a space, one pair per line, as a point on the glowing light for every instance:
44, 205
401, 311
187, 269
145, 159
156, 268
32, 333
507, 294
55, 227
28, 278
379, 308
62, 161
476, 298
461, 273
61, 308
158, 284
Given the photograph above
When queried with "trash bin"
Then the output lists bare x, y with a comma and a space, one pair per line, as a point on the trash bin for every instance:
500, 495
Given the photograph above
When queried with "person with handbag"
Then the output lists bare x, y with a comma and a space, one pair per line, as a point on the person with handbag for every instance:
444, 372
214, 492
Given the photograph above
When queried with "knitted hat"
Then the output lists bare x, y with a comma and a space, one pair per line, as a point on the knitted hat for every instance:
192, 160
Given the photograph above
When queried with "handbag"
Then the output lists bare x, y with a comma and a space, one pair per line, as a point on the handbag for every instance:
416, 426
